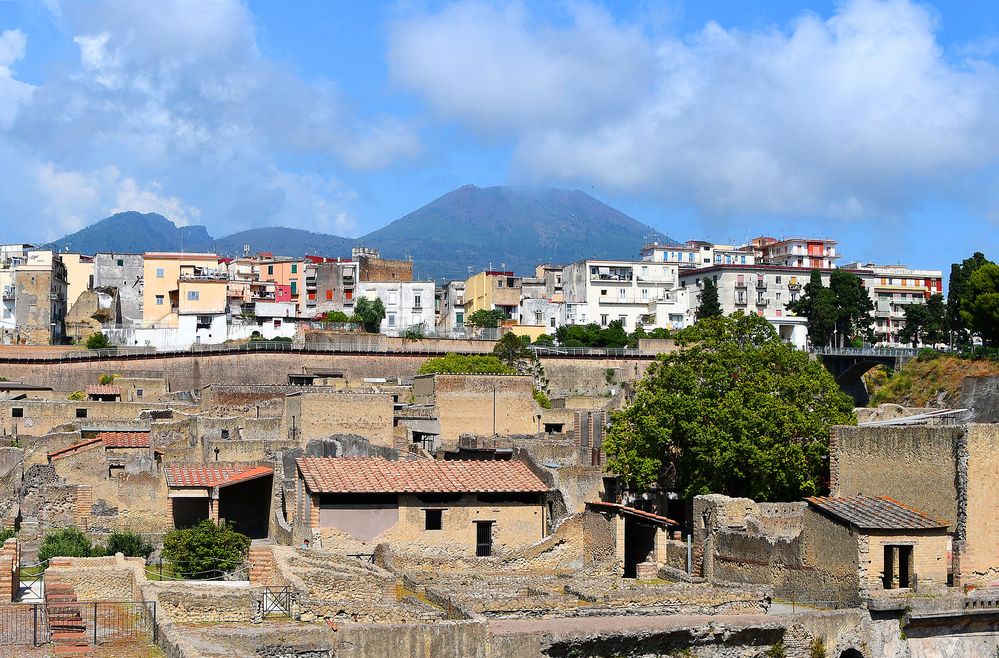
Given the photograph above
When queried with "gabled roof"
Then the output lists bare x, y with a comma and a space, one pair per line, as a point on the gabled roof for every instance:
881, 513
212, 476
74, 448
378, 475
125, 439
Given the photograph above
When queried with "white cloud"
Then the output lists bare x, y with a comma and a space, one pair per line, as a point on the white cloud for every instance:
854, 115
173, 109
13, 93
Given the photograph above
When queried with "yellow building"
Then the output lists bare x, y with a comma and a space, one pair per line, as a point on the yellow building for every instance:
181, 283
493, 289
79, 275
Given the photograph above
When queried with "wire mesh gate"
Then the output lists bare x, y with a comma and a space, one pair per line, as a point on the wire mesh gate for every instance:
103, 622
277, 601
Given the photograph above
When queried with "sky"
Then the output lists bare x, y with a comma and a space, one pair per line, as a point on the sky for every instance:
872, 122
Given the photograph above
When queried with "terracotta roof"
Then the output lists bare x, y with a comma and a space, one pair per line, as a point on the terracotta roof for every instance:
103, 389
71, 449
631, 511
212, 476
882, 513
125, 439
378, 475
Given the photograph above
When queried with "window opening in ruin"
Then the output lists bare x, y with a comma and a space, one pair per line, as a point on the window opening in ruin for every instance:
434, 519
17, 412
138, 392
81, 413
898, 564
483, 538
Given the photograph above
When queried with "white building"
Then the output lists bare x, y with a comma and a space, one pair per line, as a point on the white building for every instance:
638, 293
892, 288
808, 253
452, 306
408, 304
698, 253
11, 256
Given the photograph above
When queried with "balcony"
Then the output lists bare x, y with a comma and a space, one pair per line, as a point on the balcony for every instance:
762, 301
8, 293
794, 286
761, 284
741, 300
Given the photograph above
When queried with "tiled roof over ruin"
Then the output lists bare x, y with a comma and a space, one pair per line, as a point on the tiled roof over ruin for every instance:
378, 475
125, 439
631, 511
86, 444
212, 476
882, 513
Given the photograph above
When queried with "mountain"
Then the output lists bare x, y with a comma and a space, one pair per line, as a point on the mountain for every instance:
284, 241
468, 229
135, 232
514, 228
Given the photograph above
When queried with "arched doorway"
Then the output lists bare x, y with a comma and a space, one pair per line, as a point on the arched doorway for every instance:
851, 653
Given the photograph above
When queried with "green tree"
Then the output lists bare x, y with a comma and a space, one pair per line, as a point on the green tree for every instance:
925, 323
511, 351
130, 544
205, 548
67, 542
960, 273
980, 303
370, 313
593, 335
545, 340
709, 307
486, 319
452, 364
335, 317
818, 305
98, 341
5, 534
736, 411
853, 307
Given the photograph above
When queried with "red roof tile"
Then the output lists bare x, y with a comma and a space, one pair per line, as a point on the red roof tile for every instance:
631, 511
125, 439
882, 513
212, 476
103, 389
378, 475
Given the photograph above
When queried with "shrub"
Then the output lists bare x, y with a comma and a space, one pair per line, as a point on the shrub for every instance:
818, 648
130, 544
544, 340
77, 395
107, 379
205, 548
452, 363
414, 333
68, 542
335, 317
98, 341
542, 399
6, 533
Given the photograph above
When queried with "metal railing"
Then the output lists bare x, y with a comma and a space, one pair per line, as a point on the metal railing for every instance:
103, 622
866, 351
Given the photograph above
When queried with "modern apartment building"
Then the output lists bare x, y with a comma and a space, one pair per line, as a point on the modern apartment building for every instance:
541, 308
761, 289
408, 304
452, 306
185, 291
698, 253
336, 286
892, 288
493, 289
40, 299
808, 253
638, 293
11, 256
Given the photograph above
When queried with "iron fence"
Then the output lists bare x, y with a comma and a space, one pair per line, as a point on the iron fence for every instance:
101, 622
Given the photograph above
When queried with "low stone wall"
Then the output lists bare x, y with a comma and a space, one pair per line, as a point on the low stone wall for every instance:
185, 603
114, 578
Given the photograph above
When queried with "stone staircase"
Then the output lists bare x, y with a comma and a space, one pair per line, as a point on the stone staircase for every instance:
69, 631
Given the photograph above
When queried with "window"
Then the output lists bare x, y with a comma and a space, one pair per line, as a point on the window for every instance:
329, 294
603, 291
459, 318
193, 295
81, 413
270, 269
434, 519
551, 323
294, 268
348, 294
277, 323
159, 300
138, 392
393, 297
624, 321
645, 294
17, 412
622, 294
160, 273
417, 301
483, 538
225, 434
777, 279
121, 262
294, 287
391, 319
603, 319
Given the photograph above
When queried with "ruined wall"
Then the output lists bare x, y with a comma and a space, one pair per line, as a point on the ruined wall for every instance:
143, 389
979, 555
33, 306
466, 404
41, 416
590, 376
915, 465
929, 561
113, 578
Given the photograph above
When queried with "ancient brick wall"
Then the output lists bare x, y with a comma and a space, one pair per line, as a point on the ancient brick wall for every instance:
484, 405
112, 578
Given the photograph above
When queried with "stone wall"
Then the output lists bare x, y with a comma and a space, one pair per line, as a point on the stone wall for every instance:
115, 578
191, 602
41, 416
979, 551
484, 405
312, 415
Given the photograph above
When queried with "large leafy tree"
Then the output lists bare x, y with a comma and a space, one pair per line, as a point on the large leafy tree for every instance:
512, 350
960, 273
370, 312
818, 304
485, 319
980, 303
925, 323
709, 307
593, 335
736, 411
853, 307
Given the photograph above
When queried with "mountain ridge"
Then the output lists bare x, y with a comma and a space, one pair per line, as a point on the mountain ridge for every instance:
467, 229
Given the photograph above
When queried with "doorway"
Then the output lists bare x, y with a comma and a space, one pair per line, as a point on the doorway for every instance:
639, 544
483, 538
189, 512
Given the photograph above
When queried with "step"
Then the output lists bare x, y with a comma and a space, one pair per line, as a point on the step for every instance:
78, 652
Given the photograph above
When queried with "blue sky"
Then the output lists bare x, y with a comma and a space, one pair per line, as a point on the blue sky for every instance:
870, 121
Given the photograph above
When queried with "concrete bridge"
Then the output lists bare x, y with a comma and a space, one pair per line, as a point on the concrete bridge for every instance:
848, 365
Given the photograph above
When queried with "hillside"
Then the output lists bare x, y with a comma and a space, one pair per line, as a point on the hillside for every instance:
934, 382
135, 232
468, 229
514, 228
284, 241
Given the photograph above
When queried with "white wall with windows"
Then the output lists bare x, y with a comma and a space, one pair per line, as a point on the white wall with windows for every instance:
408, 304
